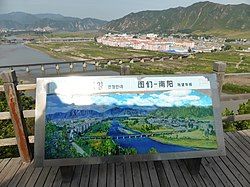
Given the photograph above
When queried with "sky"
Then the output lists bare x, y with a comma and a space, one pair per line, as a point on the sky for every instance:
101, 9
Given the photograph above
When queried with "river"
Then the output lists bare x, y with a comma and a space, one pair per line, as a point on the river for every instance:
142, 144
18, 54
21, 54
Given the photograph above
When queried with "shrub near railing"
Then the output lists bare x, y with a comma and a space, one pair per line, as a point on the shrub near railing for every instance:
6, 126
237, 125
235, 89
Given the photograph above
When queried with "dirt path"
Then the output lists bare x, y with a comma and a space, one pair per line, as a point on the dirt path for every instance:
238, 64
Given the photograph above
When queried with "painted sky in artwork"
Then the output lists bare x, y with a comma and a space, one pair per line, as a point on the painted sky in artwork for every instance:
159, 99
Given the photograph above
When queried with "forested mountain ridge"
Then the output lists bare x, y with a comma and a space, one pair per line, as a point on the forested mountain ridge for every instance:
202, 16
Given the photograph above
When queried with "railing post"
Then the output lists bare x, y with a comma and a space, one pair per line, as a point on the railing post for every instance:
43, 69
220, 68
84, 66
57, 69
125, 70
13, 99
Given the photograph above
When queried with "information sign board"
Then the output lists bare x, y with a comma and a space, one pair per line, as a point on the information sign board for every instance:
91, 120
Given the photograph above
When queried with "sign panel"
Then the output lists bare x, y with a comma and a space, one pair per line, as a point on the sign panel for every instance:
86, 120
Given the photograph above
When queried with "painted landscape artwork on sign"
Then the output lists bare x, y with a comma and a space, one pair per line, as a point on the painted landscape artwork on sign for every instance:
124, 123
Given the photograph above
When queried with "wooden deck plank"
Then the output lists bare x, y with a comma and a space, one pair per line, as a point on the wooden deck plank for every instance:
144, 174
170, 174
119, 177
51, 177
93, 178
111, 175
198, 180
85, 175
58, 179
34, 177
136, 173
26, 176
153, 174
67, 183
238, 148
177, 172
218, 172
211, 173
242, 140
206, 178
128, 178
163, 180
42, 177
77, 176
187, 176
17, 177
102, 179
247, 132
247, 138
236, 154
238, 166
230, 170
4, 163
227, 169
9, 171
11, 175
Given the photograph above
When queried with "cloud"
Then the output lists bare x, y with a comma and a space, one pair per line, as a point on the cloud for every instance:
160, 99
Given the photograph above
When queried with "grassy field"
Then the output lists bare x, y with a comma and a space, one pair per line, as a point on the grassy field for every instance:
195, 139
201, 63
237, 61
89, 50
72, 34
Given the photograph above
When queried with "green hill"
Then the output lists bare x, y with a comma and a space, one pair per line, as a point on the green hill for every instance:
199, 17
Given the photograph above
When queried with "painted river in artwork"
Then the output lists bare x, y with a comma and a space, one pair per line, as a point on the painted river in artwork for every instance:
142, 144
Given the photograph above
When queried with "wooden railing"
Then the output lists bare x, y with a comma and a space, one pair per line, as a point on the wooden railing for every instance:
11, 88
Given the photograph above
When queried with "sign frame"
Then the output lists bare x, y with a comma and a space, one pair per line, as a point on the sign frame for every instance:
40, 114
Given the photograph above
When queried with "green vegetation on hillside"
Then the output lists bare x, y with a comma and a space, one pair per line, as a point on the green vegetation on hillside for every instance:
99, 129
200, 17
57, 144
141, 125
192, 112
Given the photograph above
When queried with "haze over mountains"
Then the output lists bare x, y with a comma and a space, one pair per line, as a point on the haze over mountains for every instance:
203, 16
24, 21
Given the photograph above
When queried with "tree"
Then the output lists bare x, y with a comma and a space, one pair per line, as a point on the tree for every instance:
227, 47
189, 50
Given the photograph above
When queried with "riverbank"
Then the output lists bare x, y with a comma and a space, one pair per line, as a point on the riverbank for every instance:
48, 52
